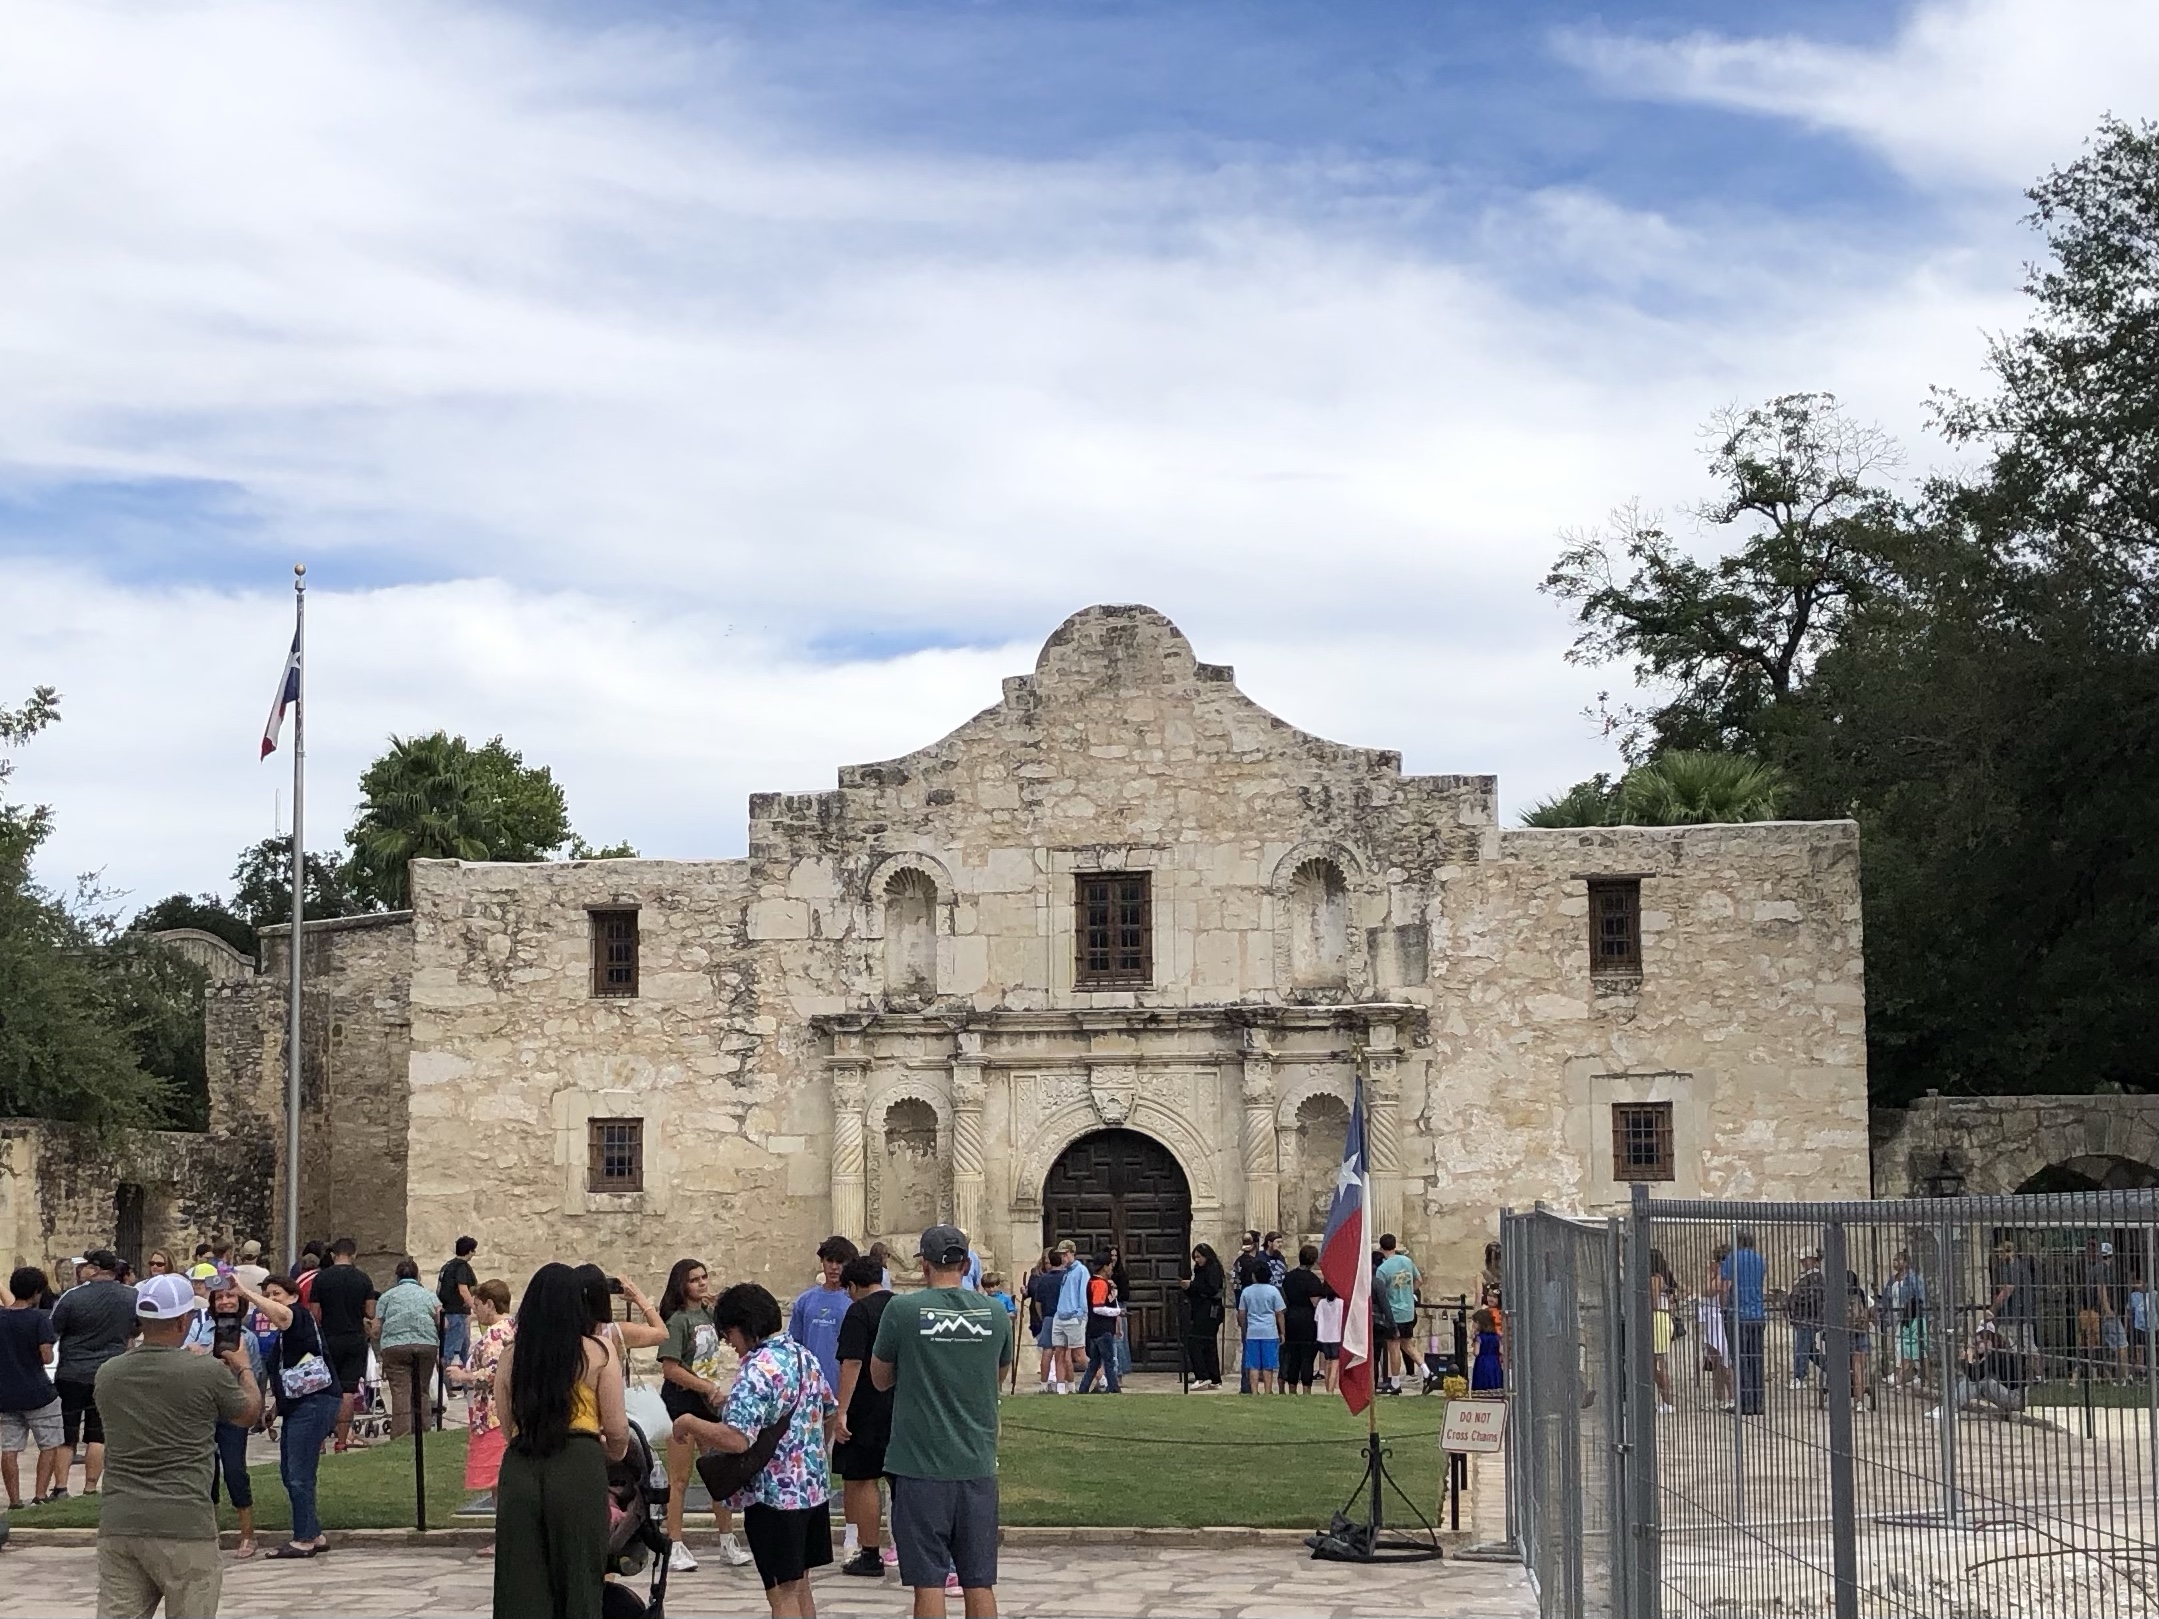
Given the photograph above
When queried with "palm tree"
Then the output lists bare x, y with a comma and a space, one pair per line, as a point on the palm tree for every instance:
1689, 789
1586, 803
423, 800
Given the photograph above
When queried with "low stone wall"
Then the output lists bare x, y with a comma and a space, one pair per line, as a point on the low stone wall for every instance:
1997, 1143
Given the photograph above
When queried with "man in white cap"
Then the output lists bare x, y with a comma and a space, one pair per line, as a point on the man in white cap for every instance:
157, 1528
251, 1269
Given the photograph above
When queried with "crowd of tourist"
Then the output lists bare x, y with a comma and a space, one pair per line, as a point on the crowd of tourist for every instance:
2079, 1315
162, 1379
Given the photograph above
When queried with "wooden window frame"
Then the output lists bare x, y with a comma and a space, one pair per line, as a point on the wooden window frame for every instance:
599, 1146
1657, 1117
603, 917
1615, 899
1102, 907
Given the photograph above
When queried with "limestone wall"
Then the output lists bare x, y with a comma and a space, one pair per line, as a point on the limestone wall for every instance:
62, 1187
1749, 1015
878, 1009
355, 1029
513, 1055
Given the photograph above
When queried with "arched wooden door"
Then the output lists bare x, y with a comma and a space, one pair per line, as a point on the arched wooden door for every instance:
1120, 1187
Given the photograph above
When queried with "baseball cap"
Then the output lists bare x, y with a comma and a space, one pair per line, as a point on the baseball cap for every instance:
2106, 1249
103, 1258
204, 1272
943, 1245
251, 1249
164, 1298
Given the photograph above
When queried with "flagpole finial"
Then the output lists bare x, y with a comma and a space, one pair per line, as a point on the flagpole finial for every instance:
299, 576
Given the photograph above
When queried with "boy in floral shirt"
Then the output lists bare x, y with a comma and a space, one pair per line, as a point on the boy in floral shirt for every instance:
786, 1509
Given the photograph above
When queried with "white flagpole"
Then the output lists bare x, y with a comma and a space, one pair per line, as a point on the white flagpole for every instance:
299, 911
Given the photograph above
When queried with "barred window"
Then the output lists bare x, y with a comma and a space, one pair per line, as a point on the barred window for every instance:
1642, 1141
614, 952
1115, 930
1615, 927
615, 1155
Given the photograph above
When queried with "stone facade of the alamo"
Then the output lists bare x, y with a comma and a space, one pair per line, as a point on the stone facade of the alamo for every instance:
1106, 958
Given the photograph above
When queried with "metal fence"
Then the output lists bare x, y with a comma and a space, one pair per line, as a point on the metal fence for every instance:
1739, 1409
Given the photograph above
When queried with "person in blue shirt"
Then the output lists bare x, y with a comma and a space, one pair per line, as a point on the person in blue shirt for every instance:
1068, 1330
1743, 1273
814, 1322
1260, 1309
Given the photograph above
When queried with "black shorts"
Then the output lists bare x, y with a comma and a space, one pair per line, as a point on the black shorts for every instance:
788, 1542
348, 1359
682, 1402
78, 1413
946, 1523
1382, 1328
860, 1457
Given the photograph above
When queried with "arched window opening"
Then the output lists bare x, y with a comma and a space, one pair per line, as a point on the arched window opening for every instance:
911, 935
912, 1175
1319, 926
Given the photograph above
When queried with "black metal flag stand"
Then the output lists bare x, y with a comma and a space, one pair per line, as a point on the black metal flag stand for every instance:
1345, 1540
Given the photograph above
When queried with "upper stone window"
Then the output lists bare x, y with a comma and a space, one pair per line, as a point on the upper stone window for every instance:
1615, 927
1319, 926
614, 952
911, 934
1114, 930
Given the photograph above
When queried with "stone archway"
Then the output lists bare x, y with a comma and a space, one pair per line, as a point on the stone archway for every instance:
2092, 1172
1122, 1188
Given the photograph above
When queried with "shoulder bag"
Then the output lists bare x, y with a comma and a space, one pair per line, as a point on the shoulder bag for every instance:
310, 1374
727, 1473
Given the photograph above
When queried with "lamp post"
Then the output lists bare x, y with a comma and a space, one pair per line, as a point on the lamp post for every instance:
1946, 1180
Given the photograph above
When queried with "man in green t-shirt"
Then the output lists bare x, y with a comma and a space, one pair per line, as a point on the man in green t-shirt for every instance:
941, 1352
157, 1528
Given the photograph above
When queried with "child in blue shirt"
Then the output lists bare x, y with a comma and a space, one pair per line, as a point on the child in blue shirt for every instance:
1260, 1309
993, 1283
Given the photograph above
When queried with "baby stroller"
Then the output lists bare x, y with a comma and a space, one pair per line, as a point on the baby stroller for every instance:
636, 1531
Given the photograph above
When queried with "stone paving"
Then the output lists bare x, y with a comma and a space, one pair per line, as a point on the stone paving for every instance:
1107, 1580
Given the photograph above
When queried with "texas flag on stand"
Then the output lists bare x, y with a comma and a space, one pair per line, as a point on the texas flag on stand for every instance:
288, 693
1345, 1260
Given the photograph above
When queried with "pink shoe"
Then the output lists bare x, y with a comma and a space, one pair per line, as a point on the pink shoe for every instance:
952, 1585
891, 1555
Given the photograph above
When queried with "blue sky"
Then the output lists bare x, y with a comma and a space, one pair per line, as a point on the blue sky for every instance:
703, 396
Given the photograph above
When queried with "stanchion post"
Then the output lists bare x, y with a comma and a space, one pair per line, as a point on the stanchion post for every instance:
418, 1395
1837, 1369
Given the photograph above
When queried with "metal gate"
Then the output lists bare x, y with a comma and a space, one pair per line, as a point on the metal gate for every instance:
1917, 1407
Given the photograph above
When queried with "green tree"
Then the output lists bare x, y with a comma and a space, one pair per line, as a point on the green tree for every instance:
262, 887
1678, 788
438, 798
63, 1054
1684, 788
1594, 802
1723, 639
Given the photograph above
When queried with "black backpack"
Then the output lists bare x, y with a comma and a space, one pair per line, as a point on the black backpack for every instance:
446, 1287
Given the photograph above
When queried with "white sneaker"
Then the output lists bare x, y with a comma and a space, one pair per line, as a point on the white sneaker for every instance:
679, 1561
732, 1552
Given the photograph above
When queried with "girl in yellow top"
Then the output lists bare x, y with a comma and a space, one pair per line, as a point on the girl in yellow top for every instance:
558, 1393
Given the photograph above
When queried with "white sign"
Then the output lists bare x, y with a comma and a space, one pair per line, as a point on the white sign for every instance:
1474, 1427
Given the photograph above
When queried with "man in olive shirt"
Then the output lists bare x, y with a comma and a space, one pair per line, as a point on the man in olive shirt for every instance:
941, 1352
157, 1527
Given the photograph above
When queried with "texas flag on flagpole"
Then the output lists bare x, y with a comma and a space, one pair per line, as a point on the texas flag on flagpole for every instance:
1345, 1260
288, 693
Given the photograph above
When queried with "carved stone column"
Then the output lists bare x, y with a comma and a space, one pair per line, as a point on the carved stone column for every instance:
1383, 1122
969, 1091
1262, 1161
849, 1065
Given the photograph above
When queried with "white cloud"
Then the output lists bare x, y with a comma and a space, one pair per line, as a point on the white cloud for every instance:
1993, 91
666, 400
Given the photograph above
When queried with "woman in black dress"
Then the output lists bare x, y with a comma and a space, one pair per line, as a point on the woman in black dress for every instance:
1203, 1318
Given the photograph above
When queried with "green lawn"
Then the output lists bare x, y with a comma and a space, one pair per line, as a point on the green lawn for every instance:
1189, 1461
1156, 1460
362, 1489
